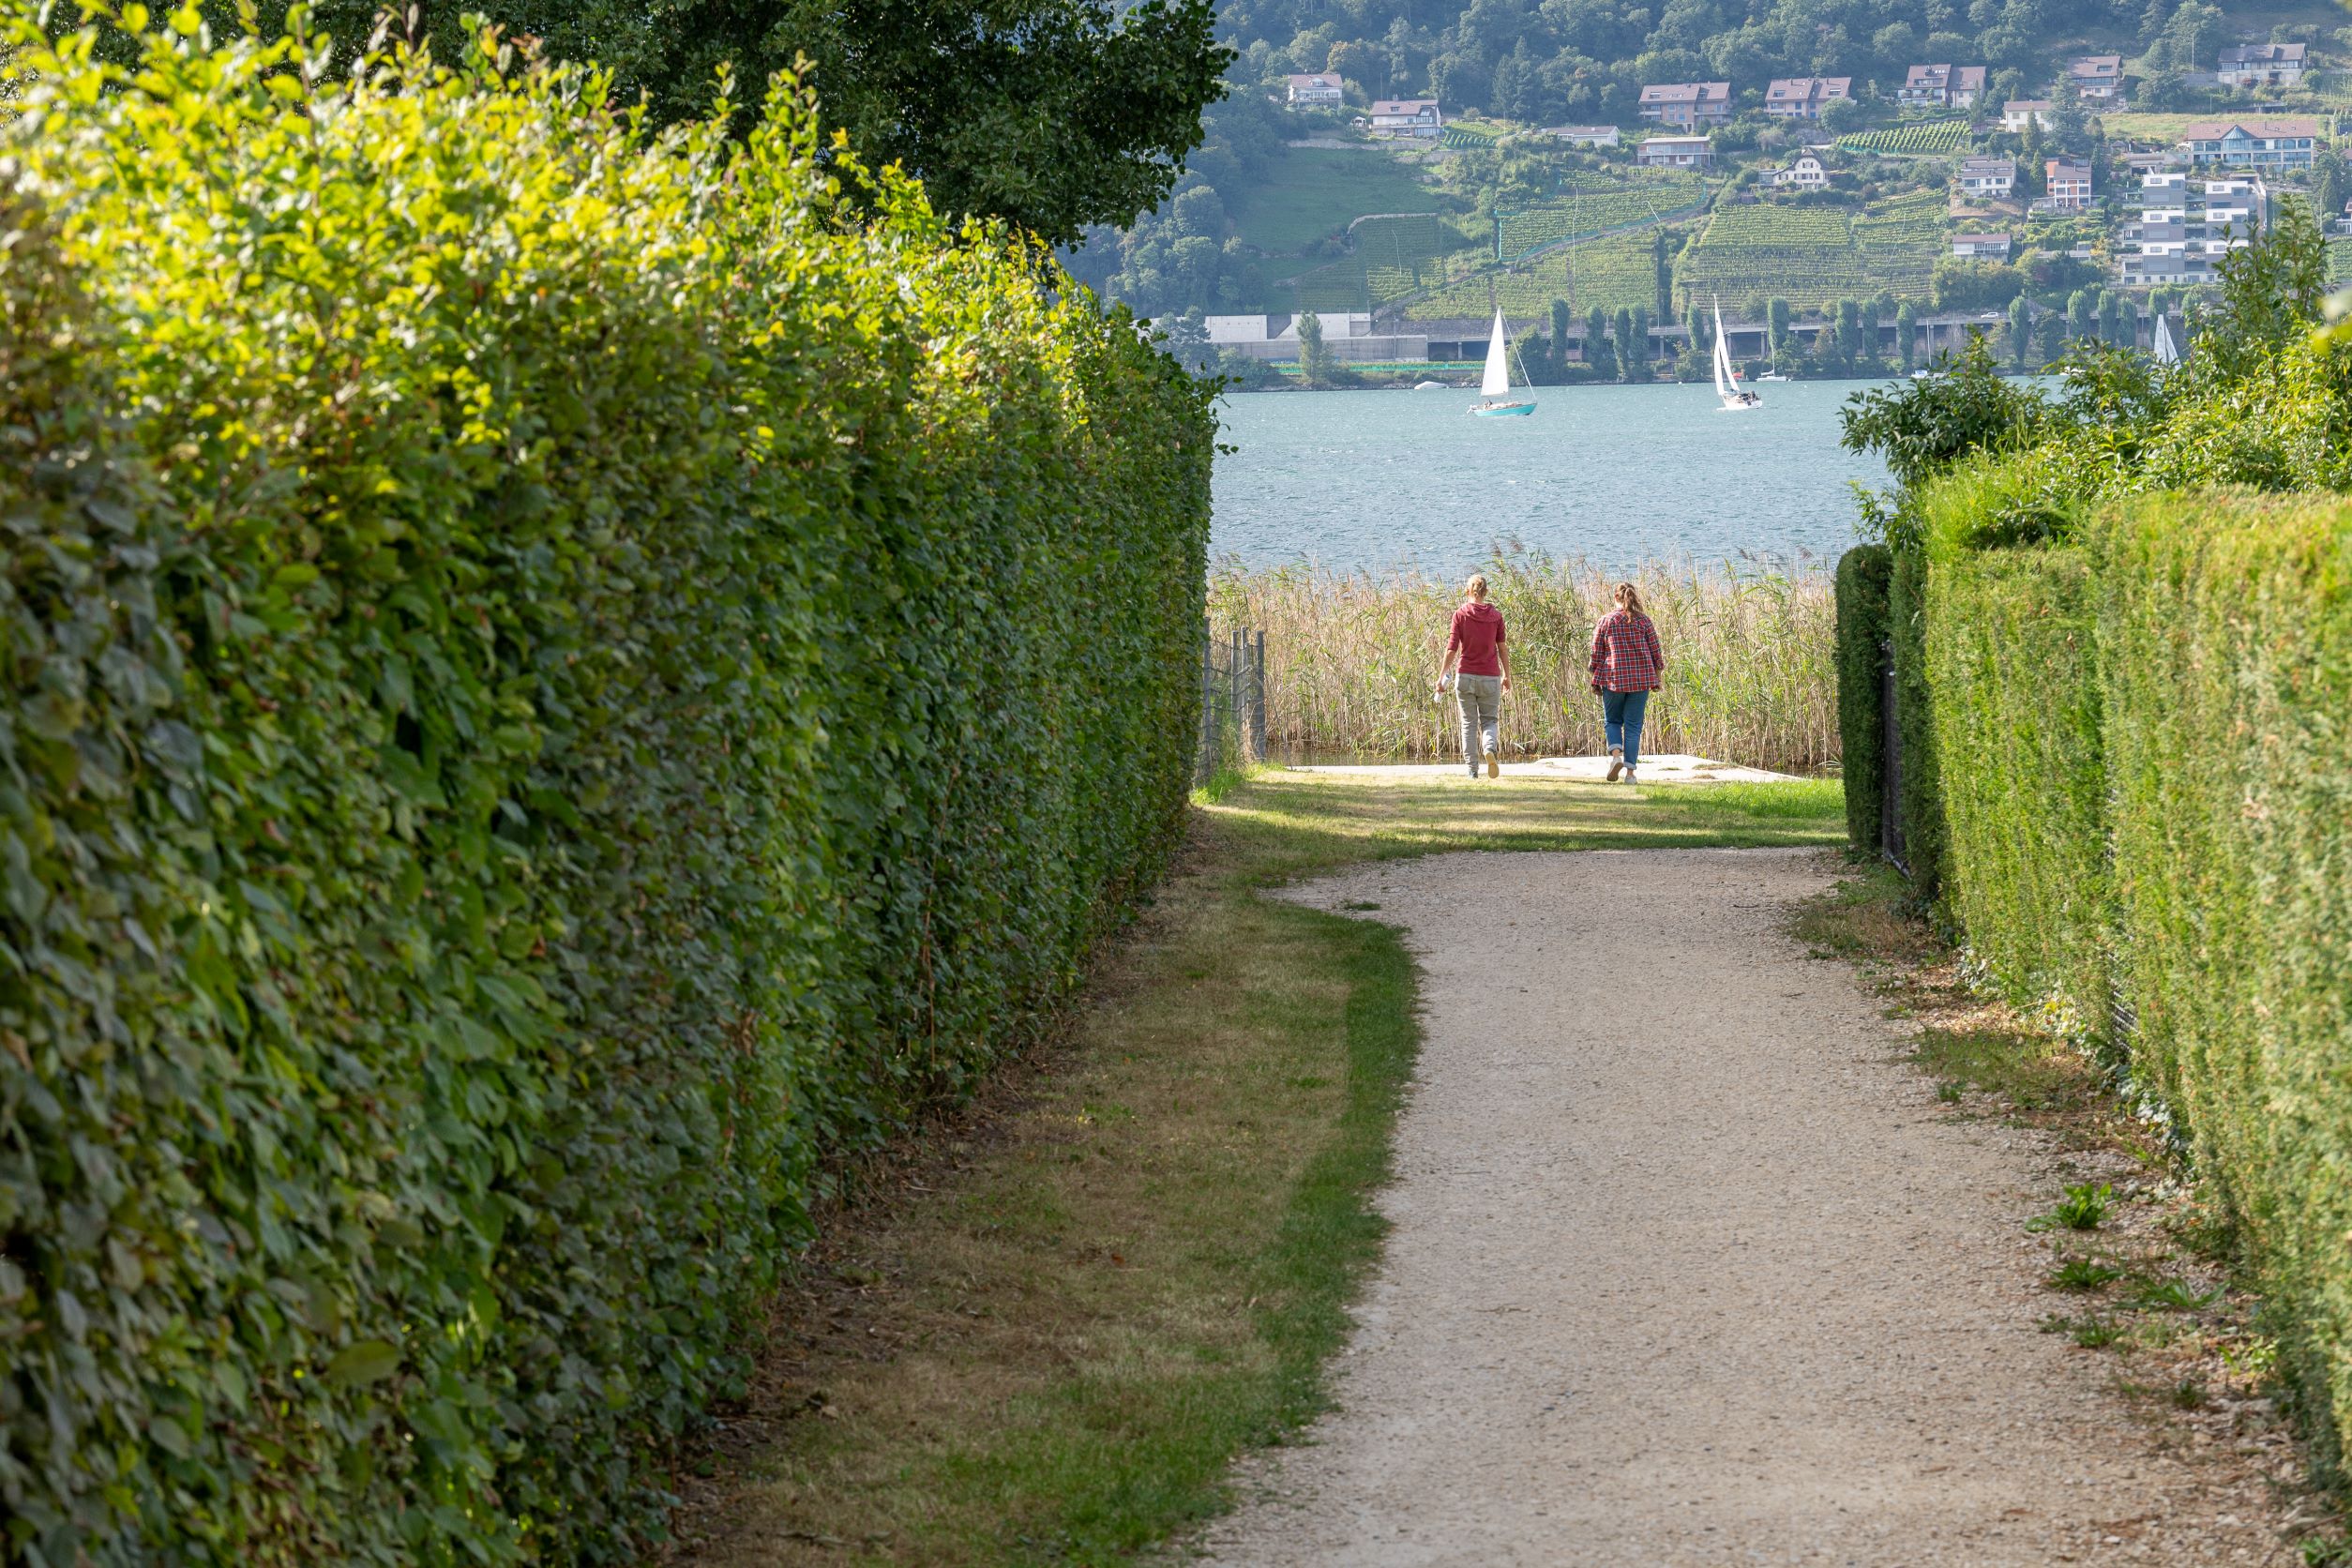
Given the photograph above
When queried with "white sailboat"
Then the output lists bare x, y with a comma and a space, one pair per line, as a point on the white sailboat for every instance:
1735, 399
1496, 384
2163, 349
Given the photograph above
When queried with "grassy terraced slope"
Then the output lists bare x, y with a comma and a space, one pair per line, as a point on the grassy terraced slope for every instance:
1598, 210
1611, 272
1813, 257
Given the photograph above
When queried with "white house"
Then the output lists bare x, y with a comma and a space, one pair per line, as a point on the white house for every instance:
1584, 136
2098, 80
2264, 65
1981, 247
1805, 174
2019, 113
1987, 177
2186, 225
1941, 87
1675, 152
2266, 142
1407, 117
1688, 104
1803, 98
1318, 91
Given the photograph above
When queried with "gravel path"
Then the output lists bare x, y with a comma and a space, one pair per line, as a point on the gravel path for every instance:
1687, 1269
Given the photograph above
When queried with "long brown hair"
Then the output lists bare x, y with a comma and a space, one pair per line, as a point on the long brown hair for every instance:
1628, 597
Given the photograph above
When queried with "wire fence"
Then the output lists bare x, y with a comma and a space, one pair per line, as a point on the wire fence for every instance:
1233, 699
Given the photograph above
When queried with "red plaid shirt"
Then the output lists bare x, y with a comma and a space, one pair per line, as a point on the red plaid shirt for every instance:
1625, 653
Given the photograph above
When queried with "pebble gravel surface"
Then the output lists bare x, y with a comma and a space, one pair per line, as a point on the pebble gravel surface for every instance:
1689, 1268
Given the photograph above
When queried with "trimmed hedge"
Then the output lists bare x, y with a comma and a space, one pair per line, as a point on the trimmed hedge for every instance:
2013, 678
1862, 628
1922, 800
2226, 628
552, 680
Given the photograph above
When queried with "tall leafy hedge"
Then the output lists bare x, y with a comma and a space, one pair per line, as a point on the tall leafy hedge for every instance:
1922, 800
2012, 675
2226, 633
553, 677
1861, 631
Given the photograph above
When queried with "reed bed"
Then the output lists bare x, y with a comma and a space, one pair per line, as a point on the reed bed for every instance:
1351, 659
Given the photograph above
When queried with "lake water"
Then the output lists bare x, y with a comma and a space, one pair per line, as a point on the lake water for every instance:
1617, 474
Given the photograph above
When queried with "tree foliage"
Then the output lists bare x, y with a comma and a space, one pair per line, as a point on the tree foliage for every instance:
539, 704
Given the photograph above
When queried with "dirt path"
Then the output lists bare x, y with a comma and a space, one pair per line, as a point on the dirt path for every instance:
1688, 1269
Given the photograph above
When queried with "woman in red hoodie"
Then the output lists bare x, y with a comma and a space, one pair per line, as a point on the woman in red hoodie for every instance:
1627, 666
1476, 644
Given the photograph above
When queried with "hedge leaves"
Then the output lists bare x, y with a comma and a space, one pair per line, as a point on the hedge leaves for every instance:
551, 680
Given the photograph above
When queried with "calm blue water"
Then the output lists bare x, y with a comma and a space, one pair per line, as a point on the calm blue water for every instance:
1617, 474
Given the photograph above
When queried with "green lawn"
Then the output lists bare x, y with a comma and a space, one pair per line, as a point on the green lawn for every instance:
1046, 1340
1311, 192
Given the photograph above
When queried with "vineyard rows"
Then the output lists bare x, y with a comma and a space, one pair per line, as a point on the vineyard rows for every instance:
1611, 273
1593, 212
1815, 256
1922, 136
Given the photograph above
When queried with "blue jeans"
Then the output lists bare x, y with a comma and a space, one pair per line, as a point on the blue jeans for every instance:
1621, 716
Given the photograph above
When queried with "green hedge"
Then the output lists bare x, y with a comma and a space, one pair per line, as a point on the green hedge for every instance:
2227, 632
2013, 674
552, 680
1861, 631
1920, 799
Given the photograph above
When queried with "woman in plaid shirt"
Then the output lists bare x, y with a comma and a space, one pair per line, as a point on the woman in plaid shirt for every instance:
1626, 665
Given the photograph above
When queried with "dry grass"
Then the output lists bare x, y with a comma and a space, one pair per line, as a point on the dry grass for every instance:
1352, 660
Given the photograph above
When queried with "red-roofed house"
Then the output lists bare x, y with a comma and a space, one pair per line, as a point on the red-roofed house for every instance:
1687, 103
1407, 117
2068, 182
2264, 65
2264, 142
1941, 87
1801, 98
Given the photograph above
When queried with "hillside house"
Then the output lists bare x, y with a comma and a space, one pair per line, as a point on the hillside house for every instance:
2019, 113
2266, 143
1941, 87
1801, 98
1585, 136
1398, 118
2067, 181
1987, 178
1675, 152
1805, 174
1318, 91
2097, 80
1349, 335
1981, 247
2186, 225
2264, 65
1687, 104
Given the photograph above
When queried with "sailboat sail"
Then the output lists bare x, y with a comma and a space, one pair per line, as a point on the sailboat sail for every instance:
1726, 378
1497, 382
2163, 349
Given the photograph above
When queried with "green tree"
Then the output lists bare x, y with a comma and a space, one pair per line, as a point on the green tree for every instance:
2272, 292
1628, 356
1662, 277
1563, 319
1318, 365
2051, 331
2020, 331
1776, 317
1599, 357
1051, 113
2082, 315
1906, 336
1640, 343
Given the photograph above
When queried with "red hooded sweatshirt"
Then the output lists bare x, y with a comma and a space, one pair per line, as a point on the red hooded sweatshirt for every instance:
1478, 633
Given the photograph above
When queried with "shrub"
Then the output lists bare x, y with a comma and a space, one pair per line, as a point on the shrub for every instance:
2014, 679
1862, 634
543, 698
2226, 633
1920, 799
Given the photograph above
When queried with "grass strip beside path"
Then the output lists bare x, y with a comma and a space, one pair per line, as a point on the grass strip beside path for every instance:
1046, 1340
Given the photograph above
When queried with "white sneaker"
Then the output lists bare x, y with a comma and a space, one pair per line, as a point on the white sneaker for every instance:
1630, 779
1617, 761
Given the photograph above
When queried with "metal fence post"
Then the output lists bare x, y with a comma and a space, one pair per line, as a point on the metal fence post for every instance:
1258, 703
1202, 753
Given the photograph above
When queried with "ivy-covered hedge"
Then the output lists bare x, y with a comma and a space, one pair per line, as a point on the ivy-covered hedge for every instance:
2013, 674
551, 680
1920, 799
1861, 630
2226, 642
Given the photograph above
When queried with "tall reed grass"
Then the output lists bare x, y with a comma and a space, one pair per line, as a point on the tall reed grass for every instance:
1353, 658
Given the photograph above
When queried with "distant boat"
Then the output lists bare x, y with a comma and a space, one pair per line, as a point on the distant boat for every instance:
1428, 386
2163, 349
1735, 399
1773, 375
1496, 384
